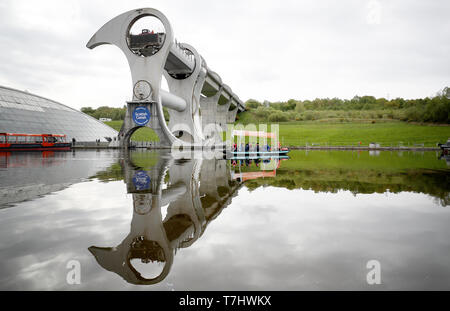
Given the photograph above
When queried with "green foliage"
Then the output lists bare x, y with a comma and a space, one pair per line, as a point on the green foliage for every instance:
431, 110
278, 116
284, 106
309, 115
252, 104
263, 112
105, 112
88, 110
166, 114
142, 134
299, 107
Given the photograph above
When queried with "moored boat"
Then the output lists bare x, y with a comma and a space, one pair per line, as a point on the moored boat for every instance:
30, 142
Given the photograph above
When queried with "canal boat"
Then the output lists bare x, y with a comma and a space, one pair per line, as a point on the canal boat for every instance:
254, 152
31, 142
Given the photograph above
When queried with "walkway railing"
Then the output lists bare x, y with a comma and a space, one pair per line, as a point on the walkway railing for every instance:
90, 144
144, 144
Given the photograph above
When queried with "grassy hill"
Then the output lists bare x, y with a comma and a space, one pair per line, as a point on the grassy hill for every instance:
323, 132
346, 134
142, 134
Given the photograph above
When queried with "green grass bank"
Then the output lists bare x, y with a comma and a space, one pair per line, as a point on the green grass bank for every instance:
142, 134
331, 133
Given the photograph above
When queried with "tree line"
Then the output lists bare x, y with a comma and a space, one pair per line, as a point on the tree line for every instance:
105, 112
430, 109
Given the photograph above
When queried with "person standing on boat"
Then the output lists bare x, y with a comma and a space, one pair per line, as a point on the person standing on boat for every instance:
247, 147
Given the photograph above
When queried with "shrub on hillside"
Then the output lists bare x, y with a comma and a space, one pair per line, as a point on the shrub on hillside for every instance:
263, 112
299, 107
278, 116
252, 104
309, 115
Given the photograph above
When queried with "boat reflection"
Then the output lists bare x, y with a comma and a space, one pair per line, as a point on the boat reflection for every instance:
265, 168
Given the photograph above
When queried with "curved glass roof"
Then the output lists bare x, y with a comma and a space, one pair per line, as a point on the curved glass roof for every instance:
22, 112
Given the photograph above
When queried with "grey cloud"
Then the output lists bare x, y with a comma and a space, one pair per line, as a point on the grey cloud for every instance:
262, 49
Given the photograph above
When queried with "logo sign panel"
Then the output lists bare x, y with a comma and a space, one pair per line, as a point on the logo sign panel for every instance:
141, 180
141, 115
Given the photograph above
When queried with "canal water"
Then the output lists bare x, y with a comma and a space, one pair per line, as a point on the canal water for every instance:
321, 220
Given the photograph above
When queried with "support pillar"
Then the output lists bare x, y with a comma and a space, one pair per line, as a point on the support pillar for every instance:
209, 106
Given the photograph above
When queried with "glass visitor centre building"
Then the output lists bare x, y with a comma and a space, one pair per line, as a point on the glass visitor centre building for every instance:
25, 113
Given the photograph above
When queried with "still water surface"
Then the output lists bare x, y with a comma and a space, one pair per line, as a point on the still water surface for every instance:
147, 221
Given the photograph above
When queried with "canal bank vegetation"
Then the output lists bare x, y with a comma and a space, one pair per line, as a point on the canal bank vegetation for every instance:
359, 121
335, 122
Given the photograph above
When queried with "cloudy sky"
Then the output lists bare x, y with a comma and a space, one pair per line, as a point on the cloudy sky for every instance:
274, 50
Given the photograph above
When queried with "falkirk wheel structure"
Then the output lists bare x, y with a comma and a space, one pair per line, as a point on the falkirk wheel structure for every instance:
198, 102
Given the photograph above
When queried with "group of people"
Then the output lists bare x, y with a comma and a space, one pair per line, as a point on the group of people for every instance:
249, 147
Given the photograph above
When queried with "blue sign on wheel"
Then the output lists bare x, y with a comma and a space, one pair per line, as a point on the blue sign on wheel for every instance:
141, 180
141, 115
